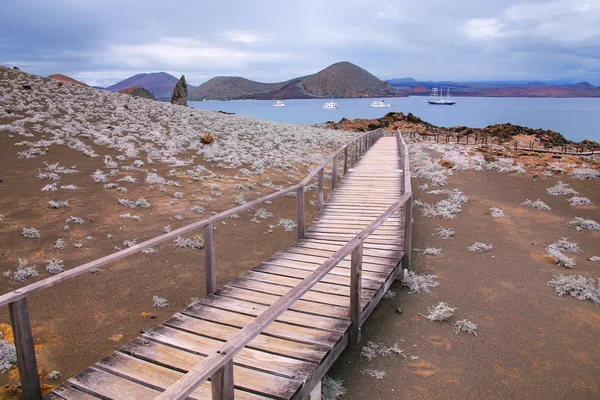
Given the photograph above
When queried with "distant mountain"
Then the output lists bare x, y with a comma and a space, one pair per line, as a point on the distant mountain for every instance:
562, 88
342, 79
64, 78
160, 84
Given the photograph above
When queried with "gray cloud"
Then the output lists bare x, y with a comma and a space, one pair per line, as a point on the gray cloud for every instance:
104, 41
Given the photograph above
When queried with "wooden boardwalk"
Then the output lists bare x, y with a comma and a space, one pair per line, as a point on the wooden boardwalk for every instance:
289, 358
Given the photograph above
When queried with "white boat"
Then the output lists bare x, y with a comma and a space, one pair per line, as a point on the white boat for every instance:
440, 100
331, 104
279, 103
380, 104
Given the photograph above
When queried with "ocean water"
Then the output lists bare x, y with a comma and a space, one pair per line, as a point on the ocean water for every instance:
576, 119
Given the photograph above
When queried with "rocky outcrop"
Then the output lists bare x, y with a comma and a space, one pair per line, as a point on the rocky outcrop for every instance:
138, 92
180, 93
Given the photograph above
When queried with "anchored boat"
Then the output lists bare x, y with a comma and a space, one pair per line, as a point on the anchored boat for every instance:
380, 104
279, 103
440, 100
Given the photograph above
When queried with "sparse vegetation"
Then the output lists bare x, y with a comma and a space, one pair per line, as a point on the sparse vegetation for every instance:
160, 302
580, 201
561, 189
479, 247
416, 282
497, 213
578, 286
464, 325
441, 312
30, 233
538, 204
580, 223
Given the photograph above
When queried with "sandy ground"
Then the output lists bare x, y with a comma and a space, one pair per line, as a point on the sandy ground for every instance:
531, 344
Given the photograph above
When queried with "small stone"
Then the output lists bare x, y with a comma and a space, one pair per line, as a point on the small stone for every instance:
398, 311
493, 256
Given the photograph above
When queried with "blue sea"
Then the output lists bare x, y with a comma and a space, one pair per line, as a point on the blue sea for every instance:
576, 119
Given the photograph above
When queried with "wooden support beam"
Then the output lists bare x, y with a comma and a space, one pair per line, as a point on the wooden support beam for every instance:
300, 212
345, 160
209, 259
222, 383
21, 326
334, 172
407, 233
355, 291
321, 189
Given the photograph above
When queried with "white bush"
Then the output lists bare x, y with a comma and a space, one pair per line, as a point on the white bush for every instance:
580, 201
464, 325
30, 233
497, 213
416, 282
479, 247
538, 204
561, 189
578, 286
581, 223
160, 302
54, 266
441, 312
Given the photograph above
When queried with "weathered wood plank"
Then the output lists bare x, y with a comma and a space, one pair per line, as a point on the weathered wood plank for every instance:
290, 317
277, 329
344, 280
318, 299
70, 393
266, 379
313, 353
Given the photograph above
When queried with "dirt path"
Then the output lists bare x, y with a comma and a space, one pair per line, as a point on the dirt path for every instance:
530, 344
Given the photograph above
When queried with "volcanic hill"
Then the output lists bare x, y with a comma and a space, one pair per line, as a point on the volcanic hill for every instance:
64, 78
342, 79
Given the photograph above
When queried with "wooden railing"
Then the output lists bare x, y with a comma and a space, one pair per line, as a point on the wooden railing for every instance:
17, 299
218, 366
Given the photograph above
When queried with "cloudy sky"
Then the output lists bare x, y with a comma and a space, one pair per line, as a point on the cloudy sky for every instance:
102, 42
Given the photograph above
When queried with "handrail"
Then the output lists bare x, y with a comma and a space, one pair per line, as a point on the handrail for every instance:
220, 362
17, 299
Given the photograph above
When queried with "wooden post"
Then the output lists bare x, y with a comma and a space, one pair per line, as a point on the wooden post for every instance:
300, 212
209, 258
334, 172
407, 234
345, 160
356, 150
355, 290
321, 189
21, 326
222, 383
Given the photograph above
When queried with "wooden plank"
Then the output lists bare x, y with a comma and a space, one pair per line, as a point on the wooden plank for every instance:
265, 378
338, 290
70, 393
317, 258
393, 246
288, 348
277, 329
337, 270
309, 307
373, 259
155, 376
290, 317
109, 386
369, 283
341, 302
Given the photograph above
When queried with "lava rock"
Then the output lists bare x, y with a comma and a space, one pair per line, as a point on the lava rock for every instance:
180, 93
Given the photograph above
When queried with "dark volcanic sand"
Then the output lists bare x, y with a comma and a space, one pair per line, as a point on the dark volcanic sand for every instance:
532, 344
